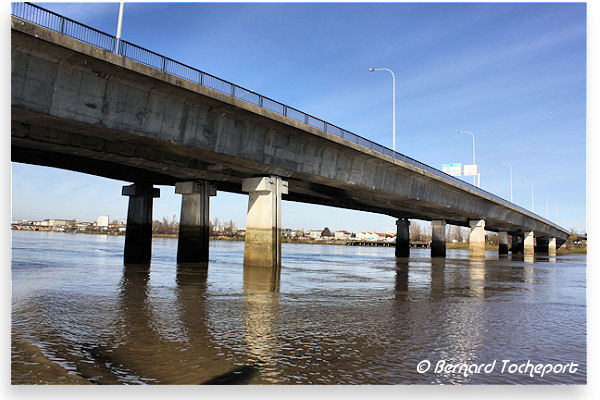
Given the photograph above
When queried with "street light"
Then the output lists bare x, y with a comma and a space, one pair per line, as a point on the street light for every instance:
119, 24
509, 166
532, 198
478, 177
393, 102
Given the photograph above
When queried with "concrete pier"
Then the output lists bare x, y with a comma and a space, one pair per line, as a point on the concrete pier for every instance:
438, 238
529, 243
138, 235
502, 242
477, 238
541, 245
517, 244
192, 245
552, 247
263, 222
402, 237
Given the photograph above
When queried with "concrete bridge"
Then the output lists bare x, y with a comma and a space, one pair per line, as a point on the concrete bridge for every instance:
84, 107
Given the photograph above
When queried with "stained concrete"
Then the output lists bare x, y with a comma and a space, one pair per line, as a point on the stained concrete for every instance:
477, 238
263, 221
402, 237
194, 222
517, 245
552, 247
529, 243
138, 234
438, 238
541, 245
78, 107
502, 242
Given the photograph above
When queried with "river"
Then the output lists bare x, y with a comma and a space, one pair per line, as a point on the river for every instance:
334, 315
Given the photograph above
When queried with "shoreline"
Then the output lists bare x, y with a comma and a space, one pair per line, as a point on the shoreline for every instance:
449, 246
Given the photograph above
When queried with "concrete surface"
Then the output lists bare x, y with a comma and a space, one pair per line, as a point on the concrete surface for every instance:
78, 107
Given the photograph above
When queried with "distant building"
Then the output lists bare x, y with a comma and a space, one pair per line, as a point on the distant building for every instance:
367, 236
376, 236
314, 234
342, 235
102, 221
84, 226
54, 222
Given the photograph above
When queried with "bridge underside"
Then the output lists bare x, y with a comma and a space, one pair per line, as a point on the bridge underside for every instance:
40, 139
80, 108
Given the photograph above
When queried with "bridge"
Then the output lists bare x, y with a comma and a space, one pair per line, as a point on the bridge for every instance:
84, 101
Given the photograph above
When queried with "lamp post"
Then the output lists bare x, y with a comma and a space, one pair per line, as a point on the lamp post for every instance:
393, 103
475, 178
532, 198
511, 186
119, 25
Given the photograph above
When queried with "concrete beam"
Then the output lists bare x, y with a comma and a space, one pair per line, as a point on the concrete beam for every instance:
529, 243
502, 242
138, 234
438, 238
263, 222
477, 237
402, 237
192, 245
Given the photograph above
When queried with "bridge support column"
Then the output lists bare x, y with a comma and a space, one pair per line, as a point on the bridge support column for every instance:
529, 243
477, 238
402, 237
263, 222
541, 245
502, 242
192, 244
438, 238
552, 247
138, 234
517, 244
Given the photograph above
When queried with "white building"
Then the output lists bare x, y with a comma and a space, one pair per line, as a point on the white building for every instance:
367, 236
102, 221
340, 235
314, 234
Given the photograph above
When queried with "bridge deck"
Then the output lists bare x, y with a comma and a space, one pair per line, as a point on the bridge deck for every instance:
80, 107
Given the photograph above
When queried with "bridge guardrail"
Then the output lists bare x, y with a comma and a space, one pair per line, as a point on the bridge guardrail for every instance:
66, 26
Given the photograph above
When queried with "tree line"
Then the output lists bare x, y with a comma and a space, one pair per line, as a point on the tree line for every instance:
216, 228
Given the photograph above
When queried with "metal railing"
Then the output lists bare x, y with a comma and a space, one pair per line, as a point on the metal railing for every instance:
66, 26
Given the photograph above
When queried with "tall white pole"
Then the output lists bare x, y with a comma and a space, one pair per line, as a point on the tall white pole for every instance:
511, 191
119, 25
532, 198
393, 103
394, 110
511, 178
475, 177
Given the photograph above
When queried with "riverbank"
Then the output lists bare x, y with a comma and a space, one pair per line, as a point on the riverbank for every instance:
449, 246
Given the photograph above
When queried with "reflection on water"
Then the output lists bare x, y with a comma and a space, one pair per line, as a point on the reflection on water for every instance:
331, 315
261, 310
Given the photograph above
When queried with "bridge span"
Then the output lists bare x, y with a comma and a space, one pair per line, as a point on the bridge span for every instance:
139, 117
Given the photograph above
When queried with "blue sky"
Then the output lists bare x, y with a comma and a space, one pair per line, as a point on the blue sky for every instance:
513, 74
